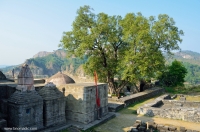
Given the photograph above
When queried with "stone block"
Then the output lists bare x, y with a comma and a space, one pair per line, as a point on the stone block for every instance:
134, 130
138, 121
182, 129
160, 127
166, 128
172, 128
141, 128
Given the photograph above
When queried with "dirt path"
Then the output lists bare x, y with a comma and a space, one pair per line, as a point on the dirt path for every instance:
123, 122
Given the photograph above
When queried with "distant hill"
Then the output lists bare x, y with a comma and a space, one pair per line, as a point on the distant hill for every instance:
46, 64
3, 66
42, 54
186, 56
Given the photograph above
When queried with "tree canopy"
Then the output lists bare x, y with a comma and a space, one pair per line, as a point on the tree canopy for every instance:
174, 74
129, 48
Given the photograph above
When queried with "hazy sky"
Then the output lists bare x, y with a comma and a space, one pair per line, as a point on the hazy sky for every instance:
30, 26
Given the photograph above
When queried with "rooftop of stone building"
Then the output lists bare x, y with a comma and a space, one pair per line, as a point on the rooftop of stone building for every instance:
25, 97
60, 78
49, 91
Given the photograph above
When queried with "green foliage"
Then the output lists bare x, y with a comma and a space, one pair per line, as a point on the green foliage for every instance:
191, 61
147, 40
130, 48
174, 74
193, 75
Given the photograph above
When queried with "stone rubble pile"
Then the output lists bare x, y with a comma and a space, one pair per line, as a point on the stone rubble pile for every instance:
151, 126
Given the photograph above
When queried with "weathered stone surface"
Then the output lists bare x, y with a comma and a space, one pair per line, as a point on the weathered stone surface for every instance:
182, 129
25, 79
138, 121
25, 105
60, 79
81, 103
136, 125
25, 109
127, 100
172, 128
54, 105
133, 130
141, 128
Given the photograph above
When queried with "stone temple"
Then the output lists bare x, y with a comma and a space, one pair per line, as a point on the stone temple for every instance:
27, 105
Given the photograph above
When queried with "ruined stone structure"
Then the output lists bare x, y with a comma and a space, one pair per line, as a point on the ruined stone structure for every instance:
42, 107
165, 107
54, 105
25, 106
81, 103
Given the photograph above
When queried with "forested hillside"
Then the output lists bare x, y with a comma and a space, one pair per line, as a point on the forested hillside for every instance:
49, 64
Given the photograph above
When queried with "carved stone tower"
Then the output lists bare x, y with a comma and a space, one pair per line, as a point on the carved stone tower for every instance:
25, 106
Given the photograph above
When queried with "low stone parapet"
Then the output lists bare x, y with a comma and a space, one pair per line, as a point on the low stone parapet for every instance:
141, 96
182, 110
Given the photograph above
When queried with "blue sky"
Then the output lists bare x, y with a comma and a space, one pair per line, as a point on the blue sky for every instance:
30, 26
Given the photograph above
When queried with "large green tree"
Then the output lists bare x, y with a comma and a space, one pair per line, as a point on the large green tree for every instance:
174, 74
129, 48
147, 40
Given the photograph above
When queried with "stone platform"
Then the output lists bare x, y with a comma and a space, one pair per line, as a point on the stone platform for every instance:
79, 125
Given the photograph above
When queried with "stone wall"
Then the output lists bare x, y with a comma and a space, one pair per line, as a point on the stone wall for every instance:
5, 92
188, 104
54, 105
183, 110
81, 101
141, 96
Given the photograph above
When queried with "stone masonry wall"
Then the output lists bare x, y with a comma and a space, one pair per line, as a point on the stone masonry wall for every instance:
81, 101
188, 104
141, 96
